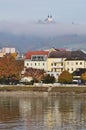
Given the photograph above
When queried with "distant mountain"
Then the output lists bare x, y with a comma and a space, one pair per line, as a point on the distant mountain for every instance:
29, 42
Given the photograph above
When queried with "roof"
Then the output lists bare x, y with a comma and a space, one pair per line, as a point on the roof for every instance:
77, 55
59, 54
30, 53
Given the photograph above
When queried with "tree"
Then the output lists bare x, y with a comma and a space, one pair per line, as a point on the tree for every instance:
10, 68
65, 77
36, 74
83, 77
48, 79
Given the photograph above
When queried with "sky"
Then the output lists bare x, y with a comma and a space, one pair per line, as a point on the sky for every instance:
21, 16
32, 10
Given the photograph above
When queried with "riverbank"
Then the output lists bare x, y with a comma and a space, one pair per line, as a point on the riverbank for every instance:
54, 89
30, 91
29, 88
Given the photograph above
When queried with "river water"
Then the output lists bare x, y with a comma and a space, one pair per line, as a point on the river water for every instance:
45, 112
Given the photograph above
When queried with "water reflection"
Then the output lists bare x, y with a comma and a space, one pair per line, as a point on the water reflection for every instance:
8, 108
43, 113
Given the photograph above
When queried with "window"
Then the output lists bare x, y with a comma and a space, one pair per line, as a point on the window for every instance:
72, 69
80, 63
37, 58
62, 64
35, 64
27, 64
54, 64
54, 69
51, 64
33, 58
43, 63
76, 63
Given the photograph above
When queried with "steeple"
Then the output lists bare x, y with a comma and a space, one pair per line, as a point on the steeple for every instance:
49, 19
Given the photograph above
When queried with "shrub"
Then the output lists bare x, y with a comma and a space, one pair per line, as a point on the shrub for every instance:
65, 77
48, 79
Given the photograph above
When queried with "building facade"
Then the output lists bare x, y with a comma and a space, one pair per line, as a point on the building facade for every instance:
36, 59
55, 61
8, 50
76, 60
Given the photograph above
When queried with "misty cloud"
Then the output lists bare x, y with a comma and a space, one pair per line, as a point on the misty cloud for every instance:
38, 29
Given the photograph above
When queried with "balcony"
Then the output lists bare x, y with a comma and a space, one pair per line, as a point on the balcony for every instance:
57, 67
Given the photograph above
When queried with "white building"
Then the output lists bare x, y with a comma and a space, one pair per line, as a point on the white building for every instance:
8, 50
76, 60
55, 61
36, 59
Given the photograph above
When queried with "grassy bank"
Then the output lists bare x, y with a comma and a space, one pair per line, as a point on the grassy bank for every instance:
24, 88
69, 89
61, 89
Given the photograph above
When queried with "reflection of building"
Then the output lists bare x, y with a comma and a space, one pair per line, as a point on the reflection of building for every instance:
52, 117
9, 109
32, 111
25, 107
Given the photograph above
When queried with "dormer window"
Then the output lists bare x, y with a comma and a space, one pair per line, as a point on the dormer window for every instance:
38, 58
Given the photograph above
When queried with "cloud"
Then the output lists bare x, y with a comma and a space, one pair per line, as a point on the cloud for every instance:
38, 29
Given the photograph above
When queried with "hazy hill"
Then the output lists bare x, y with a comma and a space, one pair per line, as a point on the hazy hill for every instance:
29, 42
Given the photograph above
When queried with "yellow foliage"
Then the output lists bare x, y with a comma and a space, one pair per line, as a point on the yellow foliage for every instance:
14, 55
83, 76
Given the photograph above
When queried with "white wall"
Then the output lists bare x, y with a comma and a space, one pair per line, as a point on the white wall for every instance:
36, 64
72, 65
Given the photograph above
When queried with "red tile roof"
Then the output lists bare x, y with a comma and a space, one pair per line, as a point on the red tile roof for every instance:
29, 54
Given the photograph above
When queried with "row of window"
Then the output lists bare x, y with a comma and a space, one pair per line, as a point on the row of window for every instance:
55, 64
71, 69
38, 58
56, 70
30, 64
72, 63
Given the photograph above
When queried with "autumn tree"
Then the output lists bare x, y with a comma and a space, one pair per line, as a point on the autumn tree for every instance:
10, 68
36, 74
83, 77
65, 77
